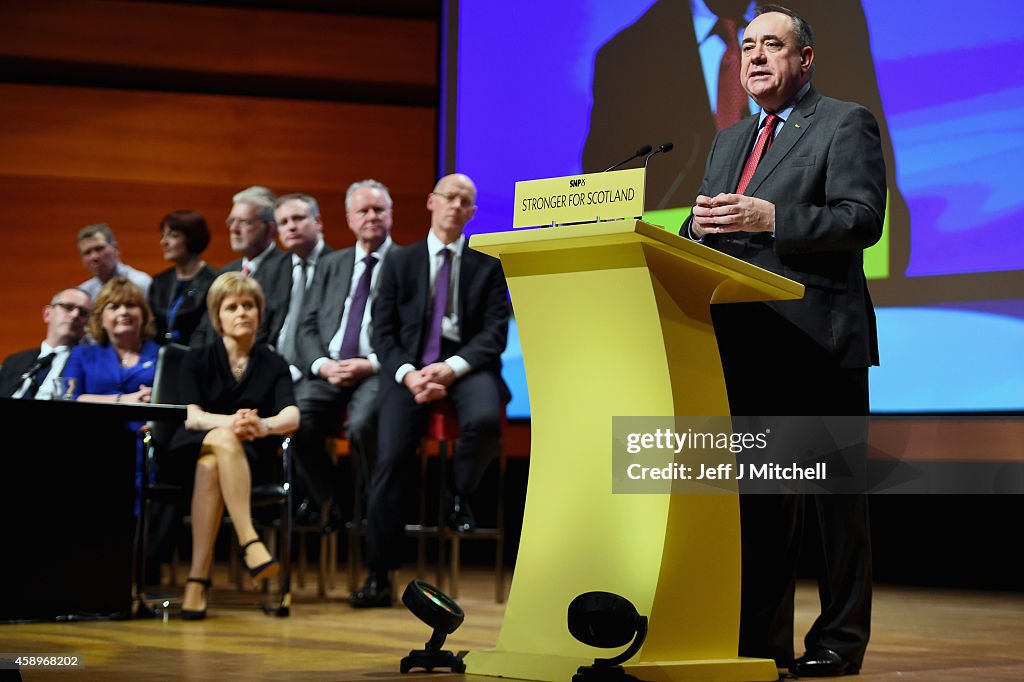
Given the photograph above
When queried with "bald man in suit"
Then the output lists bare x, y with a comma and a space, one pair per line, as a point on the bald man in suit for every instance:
440, 324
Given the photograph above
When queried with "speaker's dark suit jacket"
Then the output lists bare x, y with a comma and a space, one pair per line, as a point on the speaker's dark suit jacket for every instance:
825, 174
649, 87
403, 301
14, 366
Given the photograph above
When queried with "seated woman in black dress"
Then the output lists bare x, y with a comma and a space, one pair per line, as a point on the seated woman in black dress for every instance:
240, 401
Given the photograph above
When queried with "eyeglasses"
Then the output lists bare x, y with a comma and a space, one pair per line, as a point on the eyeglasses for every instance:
459, 200
71, 307
243, 222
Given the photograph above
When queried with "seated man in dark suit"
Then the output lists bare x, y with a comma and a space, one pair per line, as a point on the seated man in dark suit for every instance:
252, 229
440, 323
338, 363
28, 373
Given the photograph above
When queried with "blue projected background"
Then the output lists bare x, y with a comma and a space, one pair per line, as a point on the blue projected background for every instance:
954, 103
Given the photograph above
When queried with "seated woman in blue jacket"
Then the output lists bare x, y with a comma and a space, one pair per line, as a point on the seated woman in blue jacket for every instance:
120, 367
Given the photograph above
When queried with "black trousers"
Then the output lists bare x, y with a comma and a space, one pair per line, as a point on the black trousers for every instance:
478, 403
323, 408
773, 369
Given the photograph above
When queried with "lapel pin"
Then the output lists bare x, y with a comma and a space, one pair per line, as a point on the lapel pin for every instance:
796, 125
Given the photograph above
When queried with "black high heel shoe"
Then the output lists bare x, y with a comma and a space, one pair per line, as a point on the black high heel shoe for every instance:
197, 614
268, 569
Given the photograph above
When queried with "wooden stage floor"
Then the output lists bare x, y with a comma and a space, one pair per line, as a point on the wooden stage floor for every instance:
920, 635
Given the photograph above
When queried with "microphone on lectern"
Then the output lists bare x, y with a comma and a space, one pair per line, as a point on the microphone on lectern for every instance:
642, 151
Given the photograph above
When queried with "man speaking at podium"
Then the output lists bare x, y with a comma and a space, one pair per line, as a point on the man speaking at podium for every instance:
798, 189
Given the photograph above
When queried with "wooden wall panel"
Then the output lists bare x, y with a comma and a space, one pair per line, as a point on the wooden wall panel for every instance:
226, 40
74, 156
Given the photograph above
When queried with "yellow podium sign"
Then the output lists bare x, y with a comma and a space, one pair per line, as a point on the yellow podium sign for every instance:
614, 320
593, 197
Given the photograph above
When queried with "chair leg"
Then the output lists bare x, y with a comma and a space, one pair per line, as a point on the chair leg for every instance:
453, 566
321, 580
300, 574
443, 494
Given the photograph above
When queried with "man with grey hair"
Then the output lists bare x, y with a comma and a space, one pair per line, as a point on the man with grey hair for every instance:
29, 373
100, 256
251, 230
799, 190
338, 361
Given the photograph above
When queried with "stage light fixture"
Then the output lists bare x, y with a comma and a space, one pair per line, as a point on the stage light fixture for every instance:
444, 616
606, 621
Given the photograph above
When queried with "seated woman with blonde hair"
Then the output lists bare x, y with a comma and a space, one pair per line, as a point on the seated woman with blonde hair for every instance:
240, 403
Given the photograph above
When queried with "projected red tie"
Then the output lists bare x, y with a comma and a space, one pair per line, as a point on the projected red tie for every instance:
764, 142
732, 99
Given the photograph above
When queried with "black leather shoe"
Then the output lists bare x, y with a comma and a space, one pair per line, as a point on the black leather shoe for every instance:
375, 593
822, 662
197, 614
461, 518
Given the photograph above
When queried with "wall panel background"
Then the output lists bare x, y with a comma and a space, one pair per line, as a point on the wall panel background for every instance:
119, 111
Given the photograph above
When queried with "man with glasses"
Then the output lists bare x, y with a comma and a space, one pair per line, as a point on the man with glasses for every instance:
29, 373
100, 256
440, 323
337, 358
252, 229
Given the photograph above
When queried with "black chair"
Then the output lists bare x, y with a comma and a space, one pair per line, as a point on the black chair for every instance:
156, 438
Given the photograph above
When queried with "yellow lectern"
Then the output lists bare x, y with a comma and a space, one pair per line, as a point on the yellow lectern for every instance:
614, 320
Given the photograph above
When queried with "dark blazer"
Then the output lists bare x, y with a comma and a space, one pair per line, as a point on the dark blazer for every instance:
279, 293
324, 304
402, 303
649, 87
192, 310
14, 366
825, 173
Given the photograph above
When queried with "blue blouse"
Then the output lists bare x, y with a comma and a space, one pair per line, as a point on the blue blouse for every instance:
97, 370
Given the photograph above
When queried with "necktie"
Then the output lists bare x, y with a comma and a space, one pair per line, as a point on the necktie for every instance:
732, 99
291, 321
432, 348
37, 371
764, 142
246, 270
354, 326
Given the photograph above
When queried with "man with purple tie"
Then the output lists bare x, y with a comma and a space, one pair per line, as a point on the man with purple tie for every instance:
440, 323
338, 365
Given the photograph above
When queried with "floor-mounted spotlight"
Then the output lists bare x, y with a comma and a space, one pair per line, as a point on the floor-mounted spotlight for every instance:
606, 621
440, 612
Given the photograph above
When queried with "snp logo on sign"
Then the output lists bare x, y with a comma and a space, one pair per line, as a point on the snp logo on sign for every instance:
577, 182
